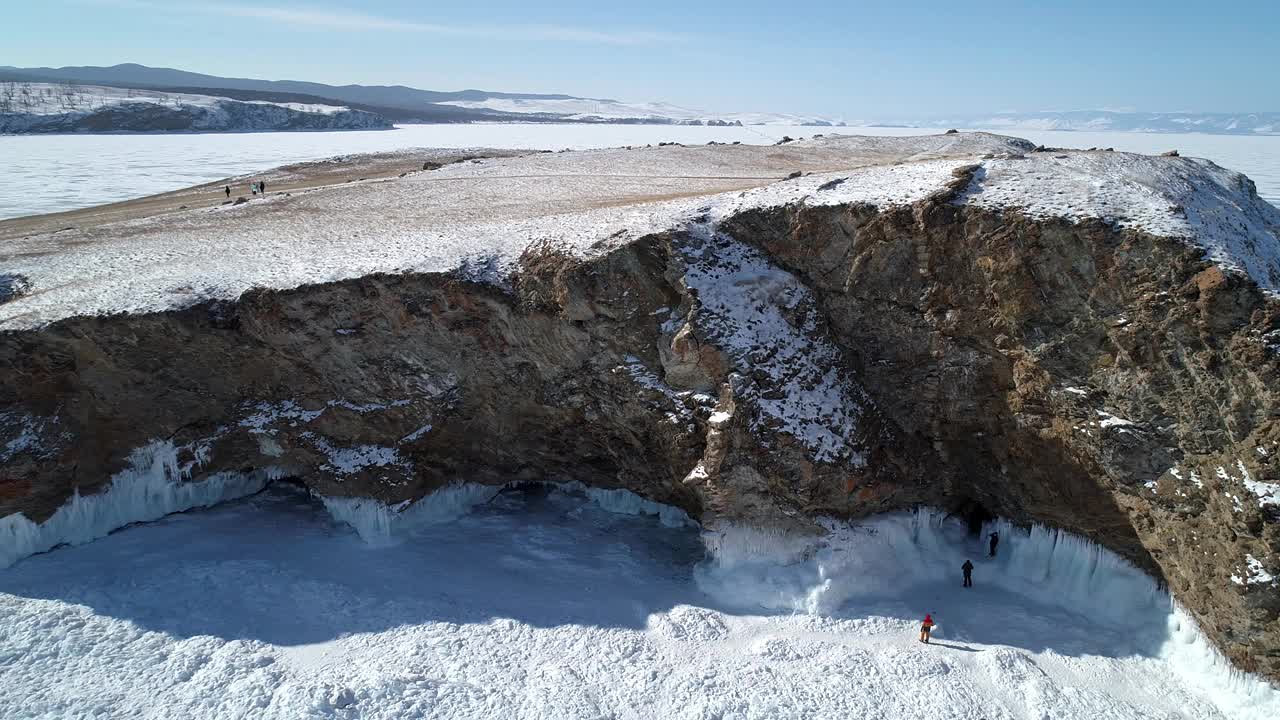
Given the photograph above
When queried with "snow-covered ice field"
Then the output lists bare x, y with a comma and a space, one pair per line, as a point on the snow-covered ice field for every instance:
542, 604
49, 173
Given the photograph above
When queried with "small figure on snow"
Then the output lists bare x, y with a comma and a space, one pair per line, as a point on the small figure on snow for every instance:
967, 568
926, 628
995, 540
227, 190
262, 187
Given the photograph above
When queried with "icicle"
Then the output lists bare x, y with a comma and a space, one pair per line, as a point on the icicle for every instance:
380, 524
625, 502
885, 556
151, 487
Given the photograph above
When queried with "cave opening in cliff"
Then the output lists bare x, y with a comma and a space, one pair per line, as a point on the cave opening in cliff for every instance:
974, 514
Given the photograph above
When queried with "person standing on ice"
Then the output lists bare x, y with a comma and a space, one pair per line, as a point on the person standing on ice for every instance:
227, 190
967, 568
995, 540
926, 628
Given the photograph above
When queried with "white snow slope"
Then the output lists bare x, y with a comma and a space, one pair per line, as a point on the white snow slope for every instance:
542, 604
484, 214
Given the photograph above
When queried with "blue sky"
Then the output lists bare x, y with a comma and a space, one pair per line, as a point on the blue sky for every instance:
858, 60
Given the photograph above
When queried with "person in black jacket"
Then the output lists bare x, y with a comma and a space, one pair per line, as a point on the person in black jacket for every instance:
995, 540
967, 568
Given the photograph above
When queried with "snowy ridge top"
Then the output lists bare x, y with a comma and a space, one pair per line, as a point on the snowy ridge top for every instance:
483, 214
1210, 206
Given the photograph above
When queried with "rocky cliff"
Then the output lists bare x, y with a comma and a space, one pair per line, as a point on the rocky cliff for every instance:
1085, 340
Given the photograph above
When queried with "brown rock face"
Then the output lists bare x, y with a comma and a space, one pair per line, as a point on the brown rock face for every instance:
801, 361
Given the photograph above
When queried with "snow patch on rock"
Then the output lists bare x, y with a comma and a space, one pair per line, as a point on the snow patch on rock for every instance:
767, 323
1254, 573
25, 430
351, 460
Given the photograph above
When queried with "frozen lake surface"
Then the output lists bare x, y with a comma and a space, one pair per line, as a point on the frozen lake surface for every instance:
50, 173
542, 604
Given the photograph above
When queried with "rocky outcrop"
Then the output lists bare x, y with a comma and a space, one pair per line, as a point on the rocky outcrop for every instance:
767, 366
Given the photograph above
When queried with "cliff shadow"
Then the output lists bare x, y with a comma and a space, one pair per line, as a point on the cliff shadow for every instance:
275, 568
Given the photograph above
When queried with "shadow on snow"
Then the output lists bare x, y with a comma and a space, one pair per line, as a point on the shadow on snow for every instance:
275, 568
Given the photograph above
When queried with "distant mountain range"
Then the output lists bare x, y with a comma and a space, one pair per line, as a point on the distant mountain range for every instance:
401, 104
397, 103
34, 107
1114, 121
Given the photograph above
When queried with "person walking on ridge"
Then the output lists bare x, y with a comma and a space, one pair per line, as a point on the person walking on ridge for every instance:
926, 628
967, 568
227, 190
995, 540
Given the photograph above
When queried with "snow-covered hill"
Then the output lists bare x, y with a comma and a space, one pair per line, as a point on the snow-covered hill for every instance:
589, 110
44, 107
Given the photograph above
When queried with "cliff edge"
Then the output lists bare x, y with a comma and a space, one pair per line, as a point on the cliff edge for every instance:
759, 335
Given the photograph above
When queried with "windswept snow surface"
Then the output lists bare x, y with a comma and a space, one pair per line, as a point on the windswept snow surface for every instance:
485, 214
542, 604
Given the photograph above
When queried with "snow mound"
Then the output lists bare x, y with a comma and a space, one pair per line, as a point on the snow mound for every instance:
152, 486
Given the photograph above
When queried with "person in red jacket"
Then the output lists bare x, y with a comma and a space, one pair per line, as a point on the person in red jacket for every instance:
926, 628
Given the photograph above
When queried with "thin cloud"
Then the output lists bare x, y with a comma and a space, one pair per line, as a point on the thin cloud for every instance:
342, 20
